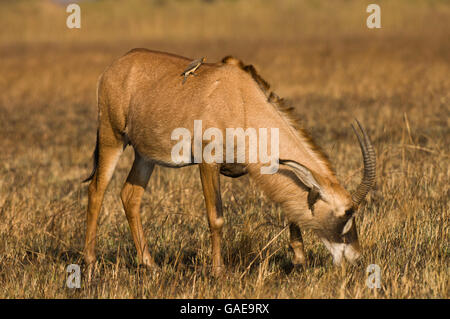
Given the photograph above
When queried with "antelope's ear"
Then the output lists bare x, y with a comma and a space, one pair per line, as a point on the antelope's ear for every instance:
313, 196
307, 178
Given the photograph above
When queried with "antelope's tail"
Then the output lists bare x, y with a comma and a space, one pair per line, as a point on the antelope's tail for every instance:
95, 156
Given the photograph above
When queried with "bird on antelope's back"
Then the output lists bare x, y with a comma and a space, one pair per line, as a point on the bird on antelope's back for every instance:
191, 68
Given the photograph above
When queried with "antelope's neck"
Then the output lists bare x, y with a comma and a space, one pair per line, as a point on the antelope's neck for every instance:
294, 143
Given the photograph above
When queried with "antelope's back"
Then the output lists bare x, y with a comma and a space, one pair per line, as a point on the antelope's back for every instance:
143, 95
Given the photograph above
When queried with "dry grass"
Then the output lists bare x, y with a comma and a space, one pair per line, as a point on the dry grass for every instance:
319, 56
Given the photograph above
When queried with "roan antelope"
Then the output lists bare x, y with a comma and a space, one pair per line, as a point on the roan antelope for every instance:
141, 100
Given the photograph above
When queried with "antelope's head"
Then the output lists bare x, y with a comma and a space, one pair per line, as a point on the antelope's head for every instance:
332, 208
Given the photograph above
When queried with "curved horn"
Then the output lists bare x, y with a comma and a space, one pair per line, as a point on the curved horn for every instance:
368, 153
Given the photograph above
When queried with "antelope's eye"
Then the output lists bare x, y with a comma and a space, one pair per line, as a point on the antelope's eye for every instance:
349, 212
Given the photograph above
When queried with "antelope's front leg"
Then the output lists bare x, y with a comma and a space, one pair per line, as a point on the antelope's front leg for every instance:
297, 245
209, 174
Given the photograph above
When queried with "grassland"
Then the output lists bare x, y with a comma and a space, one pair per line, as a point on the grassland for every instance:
318, 55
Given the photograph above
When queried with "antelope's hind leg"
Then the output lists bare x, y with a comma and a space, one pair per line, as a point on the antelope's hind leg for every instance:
297, 246
131, 196
209, 174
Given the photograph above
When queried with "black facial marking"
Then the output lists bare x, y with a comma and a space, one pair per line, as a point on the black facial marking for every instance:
349, 212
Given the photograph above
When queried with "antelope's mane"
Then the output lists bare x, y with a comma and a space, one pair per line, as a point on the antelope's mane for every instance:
284, 109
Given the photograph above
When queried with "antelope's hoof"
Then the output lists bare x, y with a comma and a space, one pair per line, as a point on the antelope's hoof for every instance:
150, 265
298, 267
299, 264
218, 271
89, 259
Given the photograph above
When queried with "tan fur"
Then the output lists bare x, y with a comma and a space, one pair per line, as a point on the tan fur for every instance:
141, 100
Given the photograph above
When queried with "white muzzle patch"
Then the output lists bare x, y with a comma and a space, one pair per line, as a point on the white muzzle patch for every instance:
339, 250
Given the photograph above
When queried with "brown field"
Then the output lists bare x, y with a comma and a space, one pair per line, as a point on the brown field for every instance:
317, 54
